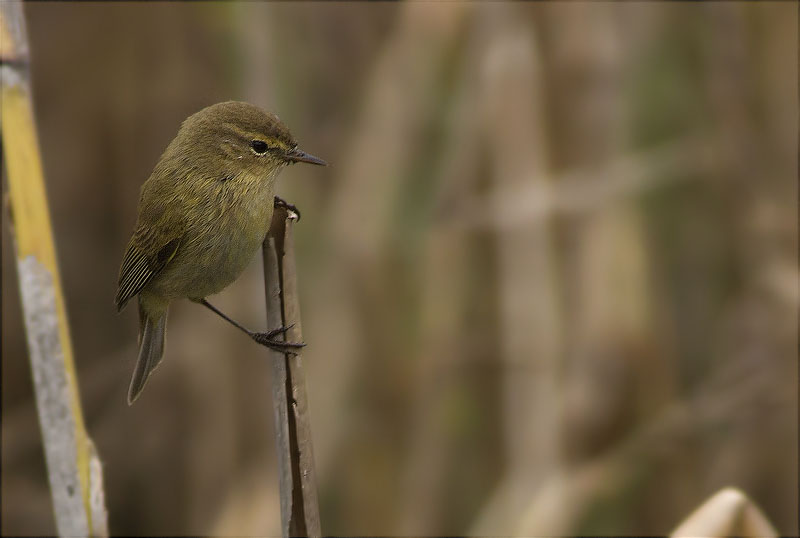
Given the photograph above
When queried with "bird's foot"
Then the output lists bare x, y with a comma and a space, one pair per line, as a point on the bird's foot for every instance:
280, 202
268, 339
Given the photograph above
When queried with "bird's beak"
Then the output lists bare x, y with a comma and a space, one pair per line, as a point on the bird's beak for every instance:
299, 156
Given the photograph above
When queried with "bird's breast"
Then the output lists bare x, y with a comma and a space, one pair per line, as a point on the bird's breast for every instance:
217, 248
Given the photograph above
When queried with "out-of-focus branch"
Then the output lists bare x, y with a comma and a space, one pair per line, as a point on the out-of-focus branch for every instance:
298, 485
584, 189
73, 467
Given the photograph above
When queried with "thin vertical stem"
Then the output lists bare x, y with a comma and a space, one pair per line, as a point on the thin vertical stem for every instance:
298, 487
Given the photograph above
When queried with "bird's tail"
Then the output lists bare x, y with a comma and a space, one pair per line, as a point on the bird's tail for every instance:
151, 350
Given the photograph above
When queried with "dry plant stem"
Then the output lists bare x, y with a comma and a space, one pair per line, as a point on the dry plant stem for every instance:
728, 513
73, 467
510, 81
298, 487
389, 127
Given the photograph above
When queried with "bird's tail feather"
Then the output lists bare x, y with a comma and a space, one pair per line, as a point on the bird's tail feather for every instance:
151, 351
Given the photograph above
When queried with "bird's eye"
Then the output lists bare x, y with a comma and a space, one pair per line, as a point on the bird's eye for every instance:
259, 146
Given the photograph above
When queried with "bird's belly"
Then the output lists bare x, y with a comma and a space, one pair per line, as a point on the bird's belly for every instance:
213, 257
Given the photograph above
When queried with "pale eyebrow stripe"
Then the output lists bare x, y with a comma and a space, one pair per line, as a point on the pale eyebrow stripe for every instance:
250, 135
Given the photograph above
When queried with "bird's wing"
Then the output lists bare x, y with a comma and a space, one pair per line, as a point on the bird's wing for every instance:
139, 268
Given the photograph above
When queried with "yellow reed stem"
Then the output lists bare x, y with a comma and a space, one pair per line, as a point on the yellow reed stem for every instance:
73, 467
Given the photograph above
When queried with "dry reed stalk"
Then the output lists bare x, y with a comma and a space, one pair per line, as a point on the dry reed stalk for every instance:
297, 477
74, 470
512, 106
729, 512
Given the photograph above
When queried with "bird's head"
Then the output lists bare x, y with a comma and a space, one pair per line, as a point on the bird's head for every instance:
233, 137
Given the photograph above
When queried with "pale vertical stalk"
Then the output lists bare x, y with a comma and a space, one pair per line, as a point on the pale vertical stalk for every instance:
530, 322
530, 328
607, 288
399, 98
74, 469
608, 251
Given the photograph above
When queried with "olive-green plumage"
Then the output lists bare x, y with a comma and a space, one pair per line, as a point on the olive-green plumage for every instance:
203, 214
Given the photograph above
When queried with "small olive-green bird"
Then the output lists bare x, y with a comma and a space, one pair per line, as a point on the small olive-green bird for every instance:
203, 214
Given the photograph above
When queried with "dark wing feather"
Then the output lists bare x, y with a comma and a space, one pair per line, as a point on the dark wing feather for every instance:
138, 269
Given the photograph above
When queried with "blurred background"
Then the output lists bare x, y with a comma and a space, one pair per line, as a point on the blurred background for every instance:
548, 286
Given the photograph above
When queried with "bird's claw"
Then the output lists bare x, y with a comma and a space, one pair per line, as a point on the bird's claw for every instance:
268, 339
280, 202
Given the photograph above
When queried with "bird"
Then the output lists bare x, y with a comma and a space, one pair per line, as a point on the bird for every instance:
202, 215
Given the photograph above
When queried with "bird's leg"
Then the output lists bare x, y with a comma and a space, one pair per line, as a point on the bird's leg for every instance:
280, 202
265, 339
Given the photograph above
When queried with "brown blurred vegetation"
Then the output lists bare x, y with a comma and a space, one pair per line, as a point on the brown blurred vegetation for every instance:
549, 285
